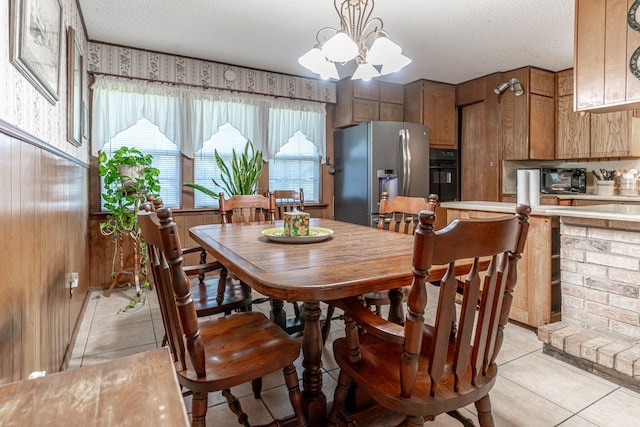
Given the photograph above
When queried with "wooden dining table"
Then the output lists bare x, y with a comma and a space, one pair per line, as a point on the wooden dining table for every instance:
354, 260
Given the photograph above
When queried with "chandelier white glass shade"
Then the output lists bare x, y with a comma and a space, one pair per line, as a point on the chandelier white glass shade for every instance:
360, 38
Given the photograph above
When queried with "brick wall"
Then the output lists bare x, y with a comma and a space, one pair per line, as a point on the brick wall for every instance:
600, 272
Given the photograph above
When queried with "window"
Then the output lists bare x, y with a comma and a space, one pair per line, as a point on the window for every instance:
146, 137
205, 168
297, 165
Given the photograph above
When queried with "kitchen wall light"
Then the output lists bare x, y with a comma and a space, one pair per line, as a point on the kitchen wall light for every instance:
513, 84
360, 38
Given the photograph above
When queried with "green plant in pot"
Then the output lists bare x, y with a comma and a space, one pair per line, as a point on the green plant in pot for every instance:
240, 177
129, 177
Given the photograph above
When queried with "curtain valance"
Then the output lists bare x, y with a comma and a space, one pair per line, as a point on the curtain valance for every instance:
188, 116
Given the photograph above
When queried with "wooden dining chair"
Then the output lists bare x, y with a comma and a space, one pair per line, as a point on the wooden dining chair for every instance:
287, 201
421, 370
253, 208
220, 353
399, 215
212, 291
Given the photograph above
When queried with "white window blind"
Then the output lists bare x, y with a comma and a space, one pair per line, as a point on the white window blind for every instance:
297, 165
205, 167
146, 137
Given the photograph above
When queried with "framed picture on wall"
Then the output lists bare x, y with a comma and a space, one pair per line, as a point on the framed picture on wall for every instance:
85, 120
75, 126
36, 37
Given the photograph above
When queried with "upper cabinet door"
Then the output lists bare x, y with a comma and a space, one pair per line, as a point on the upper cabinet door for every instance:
605, 44
433, 105
572, 128
528, 131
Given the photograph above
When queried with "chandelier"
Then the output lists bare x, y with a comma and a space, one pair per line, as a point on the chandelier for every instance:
359, 37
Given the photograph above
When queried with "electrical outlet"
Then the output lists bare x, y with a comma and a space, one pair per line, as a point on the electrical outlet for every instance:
73, 283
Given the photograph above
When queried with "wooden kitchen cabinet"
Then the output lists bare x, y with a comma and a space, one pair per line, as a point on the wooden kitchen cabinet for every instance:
573, 129
480, 143
536, 297
585, 135
611, 135
360, 101
433, 104
604, 45
528, 129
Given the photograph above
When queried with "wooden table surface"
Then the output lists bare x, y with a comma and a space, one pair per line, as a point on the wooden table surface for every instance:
139, 390
355, 260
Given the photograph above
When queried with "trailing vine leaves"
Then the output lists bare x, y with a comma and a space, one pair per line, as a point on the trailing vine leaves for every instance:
129, 176
122, 194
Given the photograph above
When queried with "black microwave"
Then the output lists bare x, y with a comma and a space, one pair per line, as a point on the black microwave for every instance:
563, 180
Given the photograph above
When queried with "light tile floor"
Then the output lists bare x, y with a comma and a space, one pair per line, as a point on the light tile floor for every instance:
533, 389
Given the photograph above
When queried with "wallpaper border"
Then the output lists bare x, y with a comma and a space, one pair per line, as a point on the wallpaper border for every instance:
136, 63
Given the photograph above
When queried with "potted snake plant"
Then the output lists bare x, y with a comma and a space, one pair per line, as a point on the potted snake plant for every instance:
239, 177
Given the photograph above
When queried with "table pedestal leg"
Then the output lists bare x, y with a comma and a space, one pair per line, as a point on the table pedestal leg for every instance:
315, 400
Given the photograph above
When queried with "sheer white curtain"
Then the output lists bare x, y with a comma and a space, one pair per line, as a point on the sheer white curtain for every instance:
189, 116
120, 103
212, 109
287, 118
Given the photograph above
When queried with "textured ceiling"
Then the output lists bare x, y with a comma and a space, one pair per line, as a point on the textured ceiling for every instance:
448, 40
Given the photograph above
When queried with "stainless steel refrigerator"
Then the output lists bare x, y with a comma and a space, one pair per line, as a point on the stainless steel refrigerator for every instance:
374, 157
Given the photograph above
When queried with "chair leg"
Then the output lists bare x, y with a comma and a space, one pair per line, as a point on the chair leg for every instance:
326, 328
414, 421
234, 405
222, 286
199, 403
484, 412
396, 311
277, 314
339, 397
295, 396
466, 422
379, 310
256, 387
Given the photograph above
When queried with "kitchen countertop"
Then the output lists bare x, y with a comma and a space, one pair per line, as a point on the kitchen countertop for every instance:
588, 196
597, 197
613, 211
499, 207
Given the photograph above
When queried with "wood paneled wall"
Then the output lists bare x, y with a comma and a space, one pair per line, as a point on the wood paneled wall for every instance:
43, 229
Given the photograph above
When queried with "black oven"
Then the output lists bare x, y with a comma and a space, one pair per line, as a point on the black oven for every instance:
443, 173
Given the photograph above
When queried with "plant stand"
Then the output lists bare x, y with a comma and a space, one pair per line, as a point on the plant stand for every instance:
127, 275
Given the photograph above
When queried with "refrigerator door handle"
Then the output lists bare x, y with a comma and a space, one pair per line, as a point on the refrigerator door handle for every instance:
402, 163
406, 158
